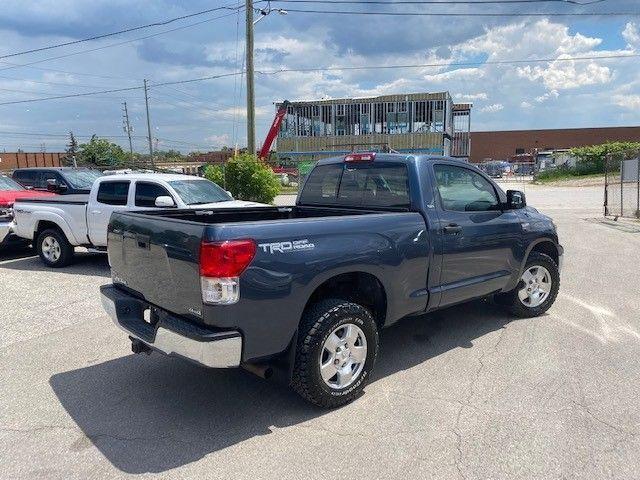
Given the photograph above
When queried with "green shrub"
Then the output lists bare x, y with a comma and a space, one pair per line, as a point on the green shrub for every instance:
215, 173
246, 178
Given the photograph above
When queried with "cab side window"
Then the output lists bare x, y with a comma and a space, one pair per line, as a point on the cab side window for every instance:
463, 190
25, 177
113, 193
146, 194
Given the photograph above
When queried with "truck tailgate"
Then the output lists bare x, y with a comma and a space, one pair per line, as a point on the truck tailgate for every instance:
157, 259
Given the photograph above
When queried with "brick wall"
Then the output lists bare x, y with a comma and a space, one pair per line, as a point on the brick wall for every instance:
11, 161
502, 145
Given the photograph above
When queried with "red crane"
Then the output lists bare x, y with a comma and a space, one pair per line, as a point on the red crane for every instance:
273, 131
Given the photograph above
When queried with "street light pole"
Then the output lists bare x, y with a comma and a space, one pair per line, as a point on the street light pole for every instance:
251, 105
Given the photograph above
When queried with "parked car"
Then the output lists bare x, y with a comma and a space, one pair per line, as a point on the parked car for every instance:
306, 289
58, 225
60, 180
10, 191
494, 169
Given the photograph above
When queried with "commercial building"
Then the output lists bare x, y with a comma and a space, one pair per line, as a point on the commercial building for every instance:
504, 145
412, 123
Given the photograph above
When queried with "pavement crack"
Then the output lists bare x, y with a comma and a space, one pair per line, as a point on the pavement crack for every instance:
616, 428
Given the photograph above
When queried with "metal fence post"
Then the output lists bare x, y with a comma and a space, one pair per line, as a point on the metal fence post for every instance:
638, 186
606, 185
621, 187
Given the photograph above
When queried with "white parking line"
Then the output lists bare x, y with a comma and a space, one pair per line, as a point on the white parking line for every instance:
6, 262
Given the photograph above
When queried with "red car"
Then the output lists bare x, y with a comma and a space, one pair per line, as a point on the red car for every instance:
10, 191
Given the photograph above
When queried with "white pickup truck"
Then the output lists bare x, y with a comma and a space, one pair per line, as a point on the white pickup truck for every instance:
56, 225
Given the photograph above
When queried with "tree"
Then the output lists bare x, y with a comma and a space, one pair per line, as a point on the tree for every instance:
100, 152
72, 146
246, 178
592, 159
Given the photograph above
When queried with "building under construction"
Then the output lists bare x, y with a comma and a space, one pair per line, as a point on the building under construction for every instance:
411, 123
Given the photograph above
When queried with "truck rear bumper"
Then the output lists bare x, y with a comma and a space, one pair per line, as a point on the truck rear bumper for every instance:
170, 334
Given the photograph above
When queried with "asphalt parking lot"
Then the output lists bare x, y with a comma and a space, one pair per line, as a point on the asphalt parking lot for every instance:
468, 392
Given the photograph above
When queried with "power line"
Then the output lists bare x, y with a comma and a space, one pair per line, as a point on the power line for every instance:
336, 68
452, 64
124, 42
436, 2
119, 32
474, 14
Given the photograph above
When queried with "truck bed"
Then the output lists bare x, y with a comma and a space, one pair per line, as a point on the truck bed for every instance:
154, 255
79, 199
235, 215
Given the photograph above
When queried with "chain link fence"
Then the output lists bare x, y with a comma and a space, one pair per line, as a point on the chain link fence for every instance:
508, 171
622, 184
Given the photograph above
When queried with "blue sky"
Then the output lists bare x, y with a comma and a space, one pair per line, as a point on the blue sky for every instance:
210, 114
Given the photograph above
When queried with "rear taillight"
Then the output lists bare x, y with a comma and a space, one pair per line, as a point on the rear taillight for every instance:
221, 264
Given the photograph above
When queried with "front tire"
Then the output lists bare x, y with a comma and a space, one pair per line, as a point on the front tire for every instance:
336, 351
537, 288
54, 249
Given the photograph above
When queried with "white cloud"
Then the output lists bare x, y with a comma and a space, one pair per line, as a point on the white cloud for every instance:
565, 74
631, 102
548, 95
525, 105
496, 107
469, 97
631, 34
218, 141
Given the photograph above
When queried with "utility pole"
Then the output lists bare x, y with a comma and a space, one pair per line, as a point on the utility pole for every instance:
146, 101
128, 129
251, 105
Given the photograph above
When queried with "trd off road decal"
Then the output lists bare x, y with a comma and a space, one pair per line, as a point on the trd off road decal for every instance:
287, 246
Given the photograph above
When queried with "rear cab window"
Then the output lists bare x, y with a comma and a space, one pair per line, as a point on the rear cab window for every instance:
25, 177
366, 185
113, 193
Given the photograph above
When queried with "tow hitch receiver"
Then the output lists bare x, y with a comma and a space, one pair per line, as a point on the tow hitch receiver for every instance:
139, 347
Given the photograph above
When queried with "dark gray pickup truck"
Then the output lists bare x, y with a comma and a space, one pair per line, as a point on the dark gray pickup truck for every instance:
305, 289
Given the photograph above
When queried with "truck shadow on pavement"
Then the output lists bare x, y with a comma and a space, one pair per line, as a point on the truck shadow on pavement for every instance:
151, 414
92, 264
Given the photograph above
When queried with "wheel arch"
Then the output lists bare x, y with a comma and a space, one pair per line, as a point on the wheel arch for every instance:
54, 222
363, 288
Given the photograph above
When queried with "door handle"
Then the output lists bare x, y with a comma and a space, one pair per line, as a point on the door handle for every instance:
452, 228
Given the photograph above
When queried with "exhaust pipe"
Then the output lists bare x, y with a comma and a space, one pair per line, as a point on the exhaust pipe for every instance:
263, 371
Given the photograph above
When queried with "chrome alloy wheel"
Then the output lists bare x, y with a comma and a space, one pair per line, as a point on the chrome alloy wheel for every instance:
343, 356
51, 249
537, 286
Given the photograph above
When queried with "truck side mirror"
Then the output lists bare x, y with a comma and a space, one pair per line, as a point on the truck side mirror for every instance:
516, 199
164, 201
54, 186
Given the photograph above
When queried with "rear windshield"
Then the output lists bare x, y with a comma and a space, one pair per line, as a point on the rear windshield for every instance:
199, 192
377, 184
81, 179
7, 184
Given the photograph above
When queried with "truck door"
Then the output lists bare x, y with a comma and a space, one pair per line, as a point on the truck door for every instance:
480, 241
111, 196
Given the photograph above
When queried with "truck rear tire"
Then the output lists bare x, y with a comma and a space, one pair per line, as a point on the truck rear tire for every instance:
336, 352
537, 288
54, 249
